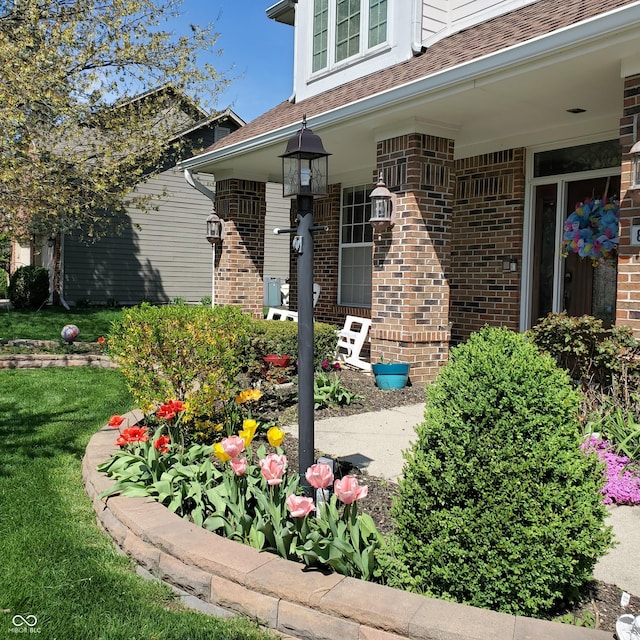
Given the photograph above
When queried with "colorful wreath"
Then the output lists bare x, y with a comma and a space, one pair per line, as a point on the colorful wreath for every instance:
591, 230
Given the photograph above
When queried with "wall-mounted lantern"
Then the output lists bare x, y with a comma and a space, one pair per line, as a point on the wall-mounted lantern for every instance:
634, 188
383, 214
215, 229
305, 165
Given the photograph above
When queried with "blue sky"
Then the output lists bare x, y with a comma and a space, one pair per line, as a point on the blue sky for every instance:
260, 50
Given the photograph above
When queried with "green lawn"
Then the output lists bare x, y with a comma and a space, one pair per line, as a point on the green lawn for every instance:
56, 564
47, 323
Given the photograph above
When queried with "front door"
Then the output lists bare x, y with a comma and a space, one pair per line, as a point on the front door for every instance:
577, 285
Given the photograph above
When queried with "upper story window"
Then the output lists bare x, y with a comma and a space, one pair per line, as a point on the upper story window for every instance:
343, 29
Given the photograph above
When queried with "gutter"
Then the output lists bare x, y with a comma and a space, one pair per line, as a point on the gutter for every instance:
474, 73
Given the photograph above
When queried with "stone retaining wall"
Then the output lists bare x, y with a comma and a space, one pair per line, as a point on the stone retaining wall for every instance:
283, 595
39, 360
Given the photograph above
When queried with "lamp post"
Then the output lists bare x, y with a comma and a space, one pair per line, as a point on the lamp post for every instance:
215, 231
304, 176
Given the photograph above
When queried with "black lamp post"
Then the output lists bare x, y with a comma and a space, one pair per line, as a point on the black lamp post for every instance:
304, 176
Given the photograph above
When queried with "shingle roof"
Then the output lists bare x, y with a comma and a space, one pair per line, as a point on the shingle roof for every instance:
518, 26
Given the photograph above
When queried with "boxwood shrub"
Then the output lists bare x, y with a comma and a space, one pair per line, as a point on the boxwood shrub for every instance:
274, 336
498, 506
29, 287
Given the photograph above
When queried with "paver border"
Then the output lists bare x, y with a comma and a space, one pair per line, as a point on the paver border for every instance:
227, 576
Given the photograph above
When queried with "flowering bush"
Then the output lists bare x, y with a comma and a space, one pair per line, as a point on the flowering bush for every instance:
623, 481
193, 354
245, 496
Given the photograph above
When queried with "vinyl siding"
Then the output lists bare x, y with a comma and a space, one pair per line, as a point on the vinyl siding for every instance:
160, 255
276, 247
444, 17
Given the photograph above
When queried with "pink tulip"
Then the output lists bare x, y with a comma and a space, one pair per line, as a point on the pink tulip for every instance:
233, 446
348, 490
273, 467
239, 466
319, 476
300, 506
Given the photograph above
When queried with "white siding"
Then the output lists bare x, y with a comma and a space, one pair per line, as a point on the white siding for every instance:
161, 255
411, 23
441, 18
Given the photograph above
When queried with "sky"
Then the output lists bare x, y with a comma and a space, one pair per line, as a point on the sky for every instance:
257, 51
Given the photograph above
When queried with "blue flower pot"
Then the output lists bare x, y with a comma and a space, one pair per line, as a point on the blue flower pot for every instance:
392, 375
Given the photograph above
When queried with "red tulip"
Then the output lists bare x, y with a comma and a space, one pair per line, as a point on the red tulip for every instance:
162, 444
115, 421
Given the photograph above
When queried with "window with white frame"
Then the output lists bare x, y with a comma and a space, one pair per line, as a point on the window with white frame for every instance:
343, 29
356, 240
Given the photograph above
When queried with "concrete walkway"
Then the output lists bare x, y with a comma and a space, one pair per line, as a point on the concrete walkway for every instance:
375, 441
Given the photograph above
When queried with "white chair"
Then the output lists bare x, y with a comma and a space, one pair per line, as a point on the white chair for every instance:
282, 314
351, 339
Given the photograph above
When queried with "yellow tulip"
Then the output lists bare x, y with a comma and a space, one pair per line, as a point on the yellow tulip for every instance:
275, 436
248, 431
220, 453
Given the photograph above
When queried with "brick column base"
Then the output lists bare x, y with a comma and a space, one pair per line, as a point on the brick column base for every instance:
425, 351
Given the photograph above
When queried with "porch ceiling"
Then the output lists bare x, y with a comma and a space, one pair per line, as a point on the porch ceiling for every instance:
523, 104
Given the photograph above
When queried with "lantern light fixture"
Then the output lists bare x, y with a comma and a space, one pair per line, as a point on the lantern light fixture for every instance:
383, 214
215, 228
305, 166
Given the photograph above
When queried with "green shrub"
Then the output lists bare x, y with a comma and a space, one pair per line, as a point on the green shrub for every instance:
29, 287
271, 336
498, 506
590, 352
177, 352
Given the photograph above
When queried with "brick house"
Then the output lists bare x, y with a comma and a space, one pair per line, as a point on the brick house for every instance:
489, 120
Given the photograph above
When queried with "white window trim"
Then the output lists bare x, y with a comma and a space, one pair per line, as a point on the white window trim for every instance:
561, 181
364, 50
356, 245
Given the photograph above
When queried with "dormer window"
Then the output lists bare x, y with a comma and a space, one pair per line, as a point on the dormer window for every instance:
343, 29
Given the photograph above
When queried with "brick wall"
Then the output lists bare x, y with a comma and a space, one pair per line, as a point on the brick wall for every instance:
487, 233
410, 291
239, 261
628, 290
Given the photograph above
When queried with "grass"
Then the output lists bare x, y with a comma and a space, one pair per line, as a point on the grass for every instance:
47, 323
57, 565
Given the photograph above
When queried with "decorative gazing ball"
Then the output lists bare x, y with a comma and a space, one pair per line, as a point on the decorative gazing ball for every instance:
69, 333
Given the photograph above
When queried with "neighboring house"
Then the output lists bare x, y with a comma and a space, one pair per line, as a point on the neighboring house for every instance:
157, 255
490, 120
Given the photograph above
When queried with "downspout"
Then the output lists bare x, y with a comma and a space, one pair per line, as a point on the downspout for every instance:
198, 186
416, 29
63, 302
188, 176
